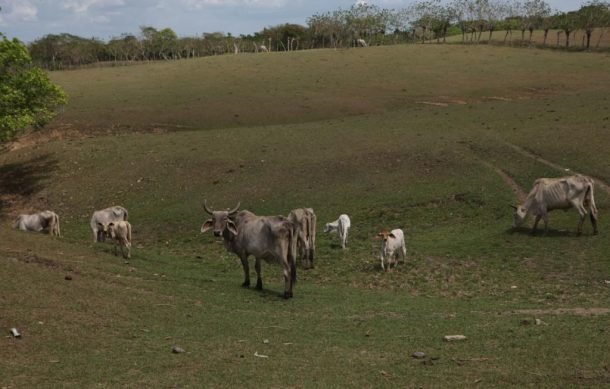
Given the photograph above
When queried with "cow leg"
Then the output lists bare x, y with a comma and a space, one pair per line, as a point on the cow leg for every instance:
382, 266
259, 280
95, 236
582, 212
246, 267
535, 224
593, 222
287, 281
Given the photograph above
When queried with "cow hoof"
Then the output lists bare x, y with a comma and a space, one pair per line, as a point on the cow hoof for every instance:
595, 232
259, 286
246, 284
286, 295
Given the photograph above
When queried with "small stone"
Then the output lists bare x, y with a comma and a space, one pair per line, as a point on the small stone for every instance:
15, 333
453, 338
514, 287
540, 322
266, 341
177, 350
68, 278
418, 355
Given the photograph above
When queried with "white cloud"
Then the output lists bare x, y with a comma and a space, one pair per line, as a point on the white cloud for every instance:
200, 4
83, 6
15, 11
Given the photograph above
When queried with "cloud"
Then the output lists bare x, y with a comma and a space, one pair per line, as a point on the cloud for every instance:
83, 6
16, 11
201, 4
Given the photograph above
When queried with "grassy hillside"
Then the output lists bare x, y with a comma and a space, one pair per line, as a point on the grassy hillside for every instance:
436, 140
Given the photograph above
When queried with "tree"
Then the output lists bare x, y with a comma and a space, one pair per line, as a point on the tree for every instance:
27, 96
566, 22
535, 11
592, 15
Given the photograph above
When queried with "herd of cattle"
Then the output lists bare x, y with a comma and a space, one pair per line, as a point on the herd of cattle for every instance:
281, 239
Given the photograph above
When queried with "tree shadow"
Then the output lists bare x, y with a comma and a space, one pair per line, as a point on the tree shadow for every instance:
24, 179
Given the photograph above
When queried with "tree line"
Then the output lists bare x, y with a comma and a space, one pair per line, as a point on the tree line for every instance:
362, 24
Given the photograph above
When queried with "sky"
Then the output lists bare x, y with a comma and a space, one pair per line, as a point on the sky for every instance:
104, 19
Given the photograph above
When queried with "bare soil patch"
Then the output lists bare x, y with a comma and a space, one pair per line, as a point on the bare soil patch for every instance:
563, 311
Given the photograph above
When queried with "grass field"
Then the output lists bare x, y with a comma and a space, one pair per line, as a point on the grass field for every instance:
436, 140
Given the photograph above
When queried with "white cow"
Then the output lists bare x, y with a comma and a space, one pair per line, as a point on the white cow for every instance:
558, 193
392, 245
361, 43
45, 220
341, 226
120, 232
105, 216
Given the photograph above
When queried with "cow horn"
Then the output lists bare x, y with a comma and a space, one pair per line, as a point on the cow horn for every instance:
231, 212
206, 208
512, 206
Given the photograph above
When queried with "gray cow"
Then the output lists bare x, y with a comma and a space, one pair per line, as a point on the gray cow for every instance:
105, 216
264, 237
304, 221
549, 194
45, 220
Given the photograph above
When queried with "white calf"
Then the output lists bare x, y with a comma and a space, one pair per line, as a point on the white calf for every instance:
341, 226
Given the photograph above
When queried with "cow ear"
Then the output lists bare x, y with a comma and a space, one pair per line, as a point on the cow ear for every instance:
110, 224
100, 224
392, 236
232, 227
207, 225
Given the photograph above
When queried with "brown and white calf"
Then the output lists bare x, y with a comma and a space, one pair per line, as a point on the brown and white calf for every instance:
120, 232
392, 245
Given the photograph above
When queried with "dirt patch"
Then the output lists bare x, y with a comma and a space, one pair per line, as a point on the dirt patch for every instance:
600, 183
31, 258
563, 311
435, 103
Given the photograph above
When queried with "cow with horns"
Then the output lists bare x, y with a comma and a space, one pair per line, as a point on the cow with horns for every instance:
268, 238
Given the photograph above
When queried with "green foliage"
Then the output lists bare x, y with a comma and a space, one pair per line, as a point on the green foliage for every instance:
27, 96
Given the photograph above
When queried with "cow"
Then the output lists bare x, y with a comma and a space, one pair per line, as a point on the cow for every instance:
341, 226
392, 245
120, 232
268, 238
361, 43
105, 216
304, 221
549, 194
45, 220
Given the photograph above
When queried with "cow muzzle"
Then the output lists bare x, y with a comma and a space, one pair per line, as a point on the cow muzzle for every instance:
217, 233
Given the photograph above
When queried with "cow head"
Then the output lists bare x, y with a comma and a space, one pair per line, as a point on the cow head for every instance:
220, 220
385, 234
519, 215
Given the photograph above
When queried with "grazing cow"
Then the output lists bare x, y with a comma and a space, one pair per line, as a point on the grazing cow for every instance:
105, 216
549, 194
120, 232
265, 237
45, 220
361, 43
392, 245
341, 226
304, 221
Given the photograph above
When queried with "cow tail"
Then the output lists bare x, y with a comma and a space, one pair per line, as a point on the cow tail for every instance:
56, 222
292, 254
129, 233
16, 223
125, 215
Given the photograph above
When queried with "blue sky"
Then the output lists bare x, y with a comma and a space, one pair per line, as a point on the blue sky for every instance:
32, 19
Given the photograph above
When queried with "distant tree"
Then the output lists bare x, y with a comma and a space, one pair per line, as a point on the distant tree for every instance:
535, 11
566, 22
27, 96
594, 14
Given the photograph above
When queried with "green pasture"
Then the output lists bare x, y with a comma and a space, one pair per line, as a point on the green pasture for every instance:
430, 139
